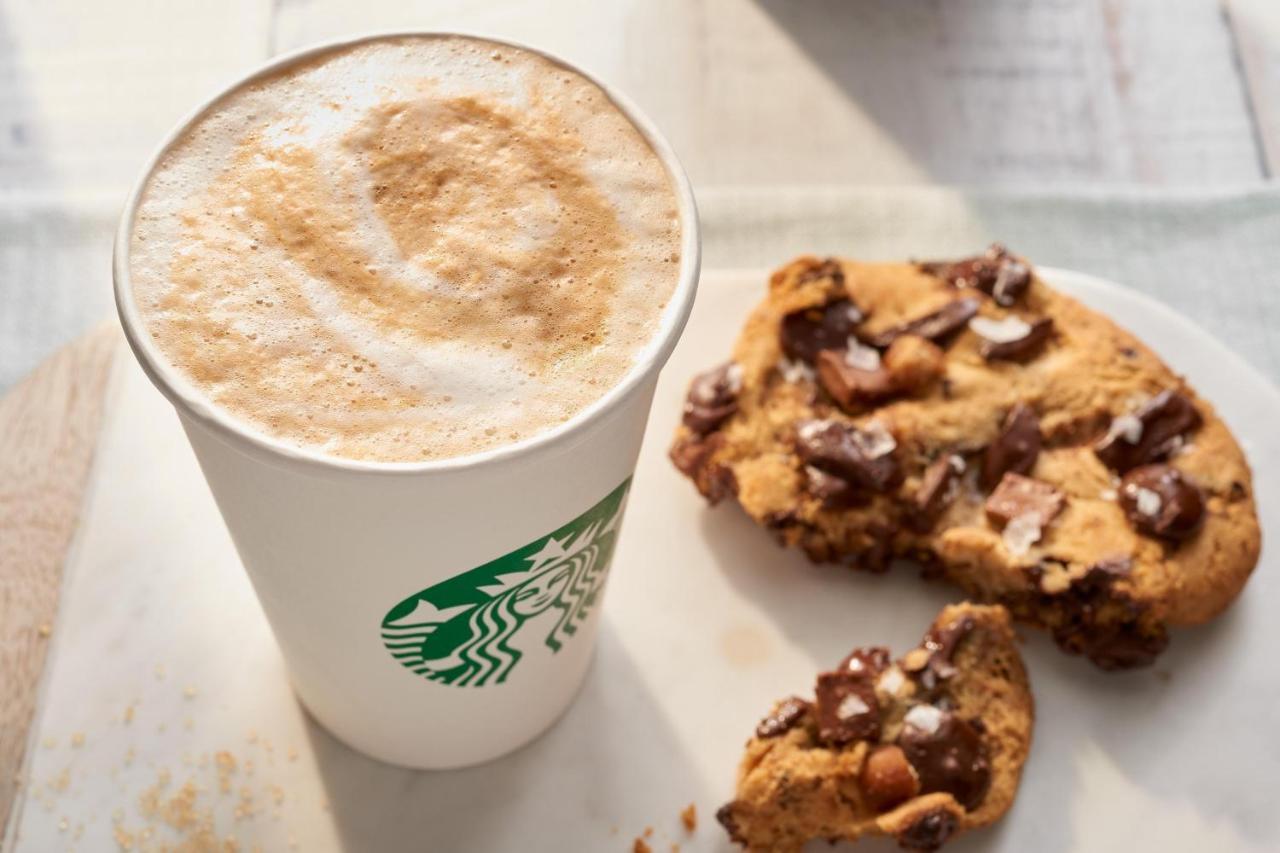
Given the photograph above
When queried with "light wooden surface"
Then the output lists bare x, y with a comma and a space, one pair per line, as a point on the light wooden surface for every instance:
49, 425
752, 93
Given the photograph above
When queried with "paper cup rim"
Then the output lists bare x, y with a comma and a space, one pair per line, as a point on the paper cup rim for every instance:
194, 405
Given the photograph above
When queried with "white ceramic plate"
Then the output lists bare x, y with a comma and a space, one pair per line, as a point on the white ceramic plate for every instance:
707, 622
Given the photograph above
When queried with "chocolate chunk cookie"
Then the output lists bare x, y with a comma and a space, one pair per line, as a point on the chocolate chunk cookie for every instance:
966, 415
920, 749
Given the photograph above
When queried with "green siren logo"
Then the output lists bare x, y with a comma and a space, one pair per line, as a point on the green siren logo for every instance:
460, 631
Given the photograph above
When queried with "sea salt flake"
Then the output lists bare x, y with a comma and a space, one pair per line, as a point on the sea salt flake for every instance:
874, 440
1108, 494
925, 718
810, 429
794, 371
861, 357
956, 461
851, 706
1128, 427
1021, 533
1000, 331
1148, 502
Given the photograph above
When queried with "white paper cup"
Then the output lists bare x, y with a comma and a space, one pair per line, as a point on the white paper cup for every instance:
432, 614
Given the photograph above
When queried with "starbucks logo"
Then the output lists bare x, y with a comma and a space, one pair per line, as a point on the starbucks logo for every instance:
463, 631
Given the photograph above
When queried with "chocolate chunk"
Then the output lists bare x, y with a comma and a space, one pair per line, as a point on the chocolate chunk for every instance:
1149, 434
783, 718
850, 385
692, 455
868, 662
1011, 339
937, 490
1018, 495
1015, 449
846, 708
941, 647
947, 753
937, 326
1159, 501
713, 397
807, 332
862, 457
997, 272
1104, 624
929, 831
834, 492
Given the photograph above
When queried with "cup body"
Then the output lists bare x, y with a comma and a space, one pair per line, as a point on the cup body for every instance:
433, 614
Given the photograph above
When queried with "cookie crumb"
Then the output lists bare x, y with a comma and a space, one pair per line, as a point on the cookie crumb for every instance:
45, 629
77, 740
641, 846
689, 817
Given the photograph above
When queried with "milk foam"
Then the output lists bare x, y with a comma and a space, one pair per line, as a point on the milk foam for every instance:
410, 249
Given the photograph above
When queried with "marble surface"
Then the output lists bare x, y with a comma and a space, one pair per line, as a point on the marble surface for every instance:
164, 673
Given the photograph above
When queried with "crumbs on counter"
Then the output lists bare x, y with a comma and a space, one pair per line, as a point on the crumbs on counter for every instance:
689, 817
195, 814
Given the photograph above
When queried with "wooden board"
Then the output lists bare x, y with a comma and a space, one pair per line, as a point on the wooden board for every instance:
49, 426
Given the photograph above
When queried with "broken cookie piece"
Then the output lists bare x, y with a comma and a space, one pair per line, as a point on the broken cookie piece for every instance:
922, 749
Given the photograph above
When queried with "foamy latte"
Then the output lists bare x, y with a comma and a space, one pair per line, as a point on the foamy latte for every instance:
407, 249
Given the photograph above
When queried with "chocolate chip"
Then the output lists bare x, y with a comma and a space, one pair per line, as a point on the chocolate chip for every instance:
937, 490
1150, 434
692, 454
1015, 448
937, 326
1018, 495
947, 753
688, 455
834, 492
849, 385
783, 718
997, 272
718, 482
862, 457
807, 332
868, 662
1159, 501
929, 831
846, 708
713, 397
1011, 339
1097, 620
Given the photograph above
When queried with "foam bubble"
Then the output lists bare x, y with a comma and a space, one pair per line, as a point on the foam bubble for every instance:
410, 249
